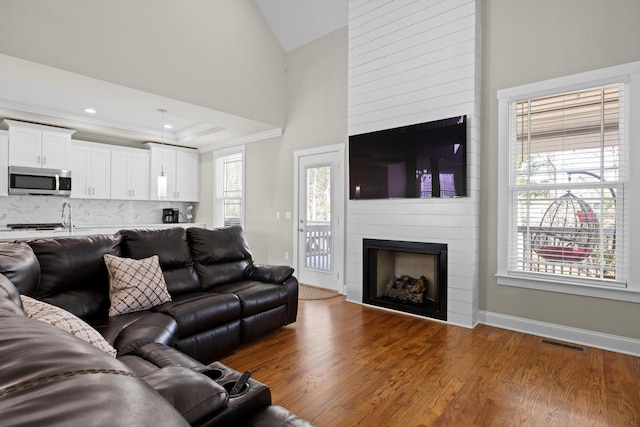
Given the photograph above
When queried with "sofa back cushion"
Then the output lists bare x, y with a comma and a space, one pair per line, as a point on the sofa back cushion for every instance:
221, 254
9, 296
73, 274
173, 252
50, 377
19, 264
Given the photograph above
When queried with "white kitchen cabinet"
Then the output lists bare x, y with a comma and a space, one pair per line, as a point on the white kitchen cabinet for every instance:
90, 170
182, 168
130, 174
4, 164
41, 146
188, 176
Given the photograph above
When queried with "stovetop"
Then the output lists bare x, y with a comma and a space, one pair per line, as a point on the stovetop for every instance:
38, 226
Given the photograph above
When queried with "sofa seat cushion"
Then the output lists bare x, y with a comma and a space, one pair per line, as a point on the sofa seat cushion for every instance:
256, 297
66, 321
201, 311
128, 332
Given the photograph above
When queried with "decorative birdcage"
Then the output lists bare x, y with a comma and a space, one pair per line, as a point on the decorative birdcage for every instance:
568, 230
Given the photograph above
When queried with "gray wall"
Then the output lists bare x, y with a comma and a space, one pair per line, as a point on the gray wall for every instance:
316, 115
524, 42
218, 54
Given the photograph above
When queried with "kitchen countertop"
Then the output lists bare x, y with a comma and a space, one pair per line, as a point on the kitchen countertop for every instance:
85, 230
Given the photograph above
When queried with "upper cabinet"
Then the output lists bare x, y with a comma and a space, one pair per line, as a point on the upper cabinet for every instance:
41, 146
129, 174
101, 171
188, 176
182, 168
4, 164
91, 170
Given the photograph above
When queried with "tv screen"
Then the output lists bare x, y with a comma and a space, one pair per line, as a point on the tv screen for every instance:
417, 161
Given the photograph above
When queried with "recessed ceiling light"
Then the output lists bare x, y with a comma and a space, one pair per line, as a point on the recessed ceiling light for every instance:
90, 110
168, 126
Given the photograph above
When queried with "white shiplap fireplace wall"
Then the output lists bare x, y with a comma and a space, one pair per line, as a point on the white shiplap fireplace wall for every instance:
412, 62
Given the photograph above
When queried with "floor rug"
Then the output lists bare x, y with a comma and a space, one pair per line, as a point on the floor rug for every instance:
306, 292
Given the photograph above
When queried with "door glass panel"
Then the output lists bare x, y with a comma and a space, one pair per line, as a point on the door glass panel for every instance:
318, 218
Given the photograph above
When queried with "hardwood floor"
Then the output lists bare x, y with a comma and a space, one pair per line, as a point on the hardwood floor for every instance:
343, 364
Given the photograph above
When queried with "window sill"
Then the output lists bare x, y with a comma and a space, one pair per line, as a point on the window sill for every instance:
618, 294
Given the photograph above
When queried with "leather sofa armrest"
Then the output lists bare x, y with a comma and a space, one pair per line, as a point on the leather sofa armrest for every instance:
194, 395
164, 356
268, 273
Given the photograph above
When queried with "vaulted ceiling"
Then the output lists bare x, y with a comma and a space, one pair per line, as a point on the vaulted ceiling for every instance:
294, 23
298, 22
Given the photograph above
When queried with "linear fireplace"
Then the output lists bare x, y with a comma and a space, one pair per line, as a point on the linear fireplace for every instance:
406, 276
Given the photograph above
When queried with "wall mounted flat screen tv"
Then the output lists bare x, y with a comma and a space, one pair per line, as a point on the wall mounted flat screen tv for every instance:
417, 161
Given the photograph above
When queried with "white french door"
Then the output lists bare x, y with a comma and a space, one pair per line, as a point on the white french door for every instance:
319, 230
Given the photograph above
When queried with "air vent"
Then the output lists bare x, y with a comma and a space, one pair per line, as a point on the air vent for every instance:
563, 345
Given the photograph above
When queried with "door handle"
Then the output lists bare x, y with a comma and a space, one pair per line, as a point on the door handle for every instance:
301, 230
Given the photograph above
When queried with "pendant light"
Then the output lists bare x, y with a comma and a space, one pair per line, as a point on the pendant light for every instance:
162, 178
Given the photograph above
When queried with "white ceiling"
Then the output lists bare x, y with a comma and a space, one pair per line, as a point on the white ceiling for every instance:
298, 22
37, 93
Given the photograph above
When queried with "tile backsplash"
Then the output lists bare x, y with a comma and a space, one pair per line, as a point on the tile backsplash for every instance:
47, 209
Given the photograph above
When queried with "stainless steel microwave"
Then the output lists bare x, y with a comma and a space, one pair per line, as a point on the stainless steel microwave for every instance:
24, 180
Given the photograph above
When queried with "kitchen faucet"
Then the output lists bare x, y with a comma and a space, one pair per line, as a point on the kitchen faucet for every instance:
65, 214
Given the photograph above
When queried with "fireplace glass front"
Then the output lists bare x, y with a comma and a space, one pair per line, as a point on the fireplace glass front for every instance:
406, 276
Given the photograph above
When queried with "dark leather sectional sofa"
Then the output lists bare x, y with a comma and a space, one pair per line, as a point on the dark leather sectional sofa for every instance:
164, 373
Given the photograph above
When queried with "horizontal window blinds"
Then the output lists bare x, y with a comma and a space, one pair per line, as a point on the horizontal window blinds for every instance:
567, 179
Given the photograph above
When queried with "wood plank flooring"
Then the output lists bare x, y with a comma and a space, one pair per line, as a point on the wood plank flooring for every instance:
343, 364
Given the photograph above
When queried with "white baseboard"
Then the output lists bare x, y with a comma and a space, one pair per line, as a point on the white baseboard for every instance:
564, 333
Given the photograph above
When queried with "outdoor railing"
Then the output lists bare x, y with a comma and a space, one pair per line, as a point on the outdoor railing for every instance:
596, 265
318, 235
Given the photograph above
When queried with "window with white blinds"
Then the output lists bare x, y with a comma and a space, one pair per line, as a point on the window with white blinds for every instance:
565, 186
567, 176
229, 200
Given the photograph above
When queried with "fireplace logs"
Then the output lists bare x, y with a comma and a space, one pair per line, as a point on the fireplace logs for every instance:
405, 276
407, 288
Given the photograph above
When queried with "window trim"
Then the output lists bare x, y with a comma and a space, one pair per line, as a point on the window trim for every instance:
218, 212
626, 73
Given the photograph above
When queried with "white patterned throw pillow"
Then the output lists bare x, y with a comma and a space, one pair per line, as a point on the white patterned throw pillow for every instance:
135, 284
61, 318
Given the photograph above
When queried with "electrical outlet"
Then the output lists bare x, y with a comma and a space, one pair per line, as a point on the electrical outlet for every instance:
278, 215
286, 255
287, 215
